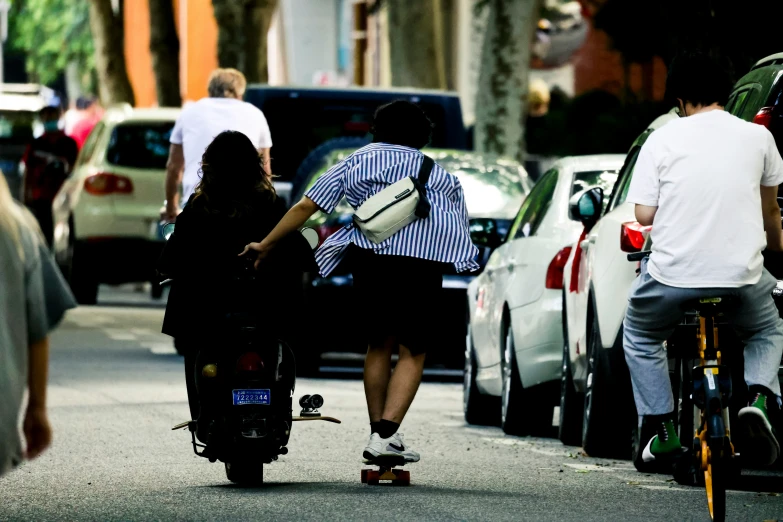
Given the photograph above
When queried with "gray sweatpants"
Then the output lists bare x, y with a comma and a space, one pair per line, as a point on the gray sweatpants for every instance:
654, 311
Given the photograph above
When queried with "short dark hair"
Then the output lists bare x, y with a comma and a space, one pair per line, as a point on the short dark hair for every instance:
402, 123
50, 112
699, 78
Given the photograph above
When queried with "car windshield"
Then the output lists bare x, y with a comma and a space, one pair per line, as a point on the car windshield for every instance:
493, 188
141, 145
17, 125
605, 179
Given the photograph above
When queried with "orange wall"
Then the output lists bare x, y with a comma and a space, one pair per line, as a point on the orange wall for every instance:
197, 31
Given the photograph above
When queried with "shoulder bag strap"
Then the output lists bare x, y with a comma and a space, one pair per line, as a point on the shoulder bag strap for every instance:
423, 208
424, 171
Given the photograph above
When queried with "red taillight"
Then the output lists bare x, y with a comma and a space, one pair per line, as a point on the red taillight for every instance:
324, 231
632, 236
103, 184
250, 362
554, 274
764, 117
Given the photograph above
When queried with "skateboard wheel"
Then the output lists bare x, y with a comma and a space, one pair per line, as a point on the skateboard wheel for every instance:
364, 475
403, 478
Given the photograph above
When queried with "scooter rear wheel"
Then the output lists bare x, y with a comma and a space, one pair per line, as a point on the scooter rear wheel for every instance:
246, 473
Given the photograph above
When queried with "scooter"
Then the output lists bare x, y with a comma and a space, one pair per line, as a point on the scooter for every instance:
248, 387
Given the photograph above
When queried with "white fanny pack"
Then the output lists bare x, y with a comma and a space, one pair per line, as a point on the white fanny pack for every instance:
396, 206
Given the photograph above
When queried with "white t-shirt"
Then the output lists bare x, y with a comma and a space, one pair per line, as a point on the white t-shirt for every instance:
200, 122
704, 174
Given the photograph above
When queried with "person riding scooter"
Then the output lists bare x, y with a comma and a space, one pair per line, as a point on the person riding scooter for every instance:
234, 203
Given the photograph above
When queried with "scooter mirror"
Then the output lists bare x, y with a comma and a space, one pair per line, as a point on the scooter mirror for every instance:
311, 236
167, 229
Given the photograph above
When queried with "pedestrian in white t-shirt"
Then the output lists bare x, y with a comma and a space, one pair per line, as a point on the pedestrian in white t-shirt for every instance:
198, 125
707, 183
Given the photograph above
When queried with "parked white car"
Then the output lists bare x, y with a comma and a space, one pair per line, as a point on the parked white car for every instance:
596, 401
107, 213
514, 340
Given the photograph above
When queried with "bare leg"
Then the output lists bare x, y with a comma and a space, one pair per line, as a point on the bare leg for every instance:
377, 372
403, 385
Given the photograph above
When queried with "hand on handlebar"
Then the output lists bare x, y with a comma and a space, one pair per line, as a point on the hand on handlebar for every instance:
260, 249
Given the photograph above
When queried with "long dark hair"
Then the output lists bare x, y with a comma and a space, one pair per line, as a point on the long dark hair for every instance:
233, 179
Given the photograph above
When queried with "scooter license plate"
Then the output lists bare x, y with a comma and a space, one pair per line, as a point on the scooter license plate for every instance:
242, 397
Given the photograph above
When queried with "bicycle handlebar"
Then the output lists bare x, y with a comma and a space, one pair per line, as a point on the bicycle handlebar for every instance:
638, 256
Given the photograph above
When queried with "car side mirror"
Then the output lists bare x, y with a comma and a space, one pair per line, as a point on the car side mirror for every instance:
586, 205
167, 229
484, 232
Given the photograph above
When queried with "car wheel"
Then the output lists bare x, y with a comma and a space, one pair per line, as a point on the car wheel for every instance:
479, 409
606, 427
521, 412
81, 279
571, 402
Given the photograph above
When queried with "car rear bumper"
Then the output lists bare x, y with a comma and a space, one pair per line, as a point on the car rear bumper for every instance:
120, 260
333, 296
538, 332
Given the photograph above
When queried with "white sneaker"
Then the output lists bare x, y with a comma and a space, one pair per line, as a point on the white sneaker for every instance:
394, 446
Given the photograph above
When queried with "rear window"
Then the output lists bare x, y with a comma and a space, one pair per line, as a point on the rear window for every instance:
300, 124
17, 125
143, 145
605, 179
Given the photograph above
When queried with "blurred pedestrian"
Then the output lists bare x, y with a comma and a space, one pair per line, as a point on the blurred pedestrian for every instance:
33, 299
91, 114
48, 160
197, 126
397, 283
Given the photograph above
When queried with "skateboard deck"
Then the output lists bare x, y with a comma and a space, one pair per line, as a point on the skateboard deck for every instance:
328, 419
386, 474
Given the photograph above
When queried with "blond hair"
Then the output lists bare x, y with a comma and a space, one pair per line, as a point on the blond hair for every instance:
14, 217
226, 83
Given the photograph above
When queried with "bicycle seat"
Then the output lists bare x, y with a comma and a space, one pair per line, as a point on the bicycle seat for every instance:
711, 306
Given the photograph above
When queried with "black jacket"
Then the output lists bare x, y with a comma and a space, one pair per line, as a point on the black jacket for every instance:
201, 257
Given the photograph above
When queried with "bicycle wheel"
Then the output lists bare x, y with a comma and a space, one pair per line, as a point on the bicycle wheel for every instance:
715, 481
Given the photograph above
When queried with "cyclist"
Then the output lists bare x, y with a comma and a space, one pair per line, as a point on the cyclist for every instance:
707, 183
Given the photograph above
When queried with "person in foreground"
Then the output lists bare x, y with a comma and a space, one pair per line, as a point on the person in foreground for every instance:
234, 203
707, 184
396, 282
33, 300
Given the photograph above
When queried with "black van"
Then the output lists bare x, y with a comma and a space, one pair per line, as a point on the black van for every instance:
303, 119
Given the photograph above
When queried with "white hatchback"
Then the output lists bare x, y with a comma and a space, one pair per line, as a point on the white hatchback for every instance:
106, 215
514, 340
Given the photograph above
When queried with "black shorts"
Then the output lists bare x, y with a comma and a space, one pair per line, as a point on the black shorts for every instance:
396, 296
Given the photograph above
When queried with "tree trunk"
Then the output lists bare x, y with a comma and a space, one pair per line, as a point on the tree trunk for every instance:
416, 44
108, 37
501, 101
164, 47
228, 14
258, 18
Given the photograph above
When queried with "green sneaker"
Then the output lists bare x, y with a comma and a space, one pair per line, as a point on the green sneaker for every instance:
665, 444
760, 443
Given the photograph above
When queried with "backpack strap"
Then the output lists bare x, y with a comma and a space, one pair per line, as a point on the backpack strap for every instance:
424, 171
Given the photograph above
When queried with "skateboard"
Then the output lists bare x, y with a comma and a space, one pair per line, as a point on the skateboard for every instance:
386, 474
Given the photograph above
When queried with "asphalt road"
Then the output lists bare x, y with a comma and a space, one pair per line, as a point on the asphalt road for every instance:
116, 389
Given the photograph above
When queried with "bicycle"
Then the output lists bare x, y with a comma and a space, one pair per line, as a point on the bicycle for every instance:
705, 389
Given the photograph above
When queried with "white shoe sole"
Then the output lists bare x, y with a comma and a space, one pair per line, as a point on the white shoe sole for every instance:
761, 442
370, 453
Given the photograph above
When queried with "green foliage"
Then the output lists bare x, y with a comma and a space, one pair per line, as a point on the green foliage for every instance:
53, 33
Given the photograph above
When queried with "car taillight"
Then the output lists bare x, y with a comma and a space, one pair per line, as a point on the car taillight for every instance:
554, 274
324, 231
103, 184
632, 236
250, 362
764, 117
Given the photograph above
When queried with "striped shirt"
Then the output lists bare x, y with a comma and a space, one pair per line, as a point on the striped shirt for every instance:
443, 236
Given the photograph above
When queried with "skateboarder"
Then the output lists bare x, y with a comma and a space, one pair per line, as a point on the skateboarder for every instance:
396, 282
